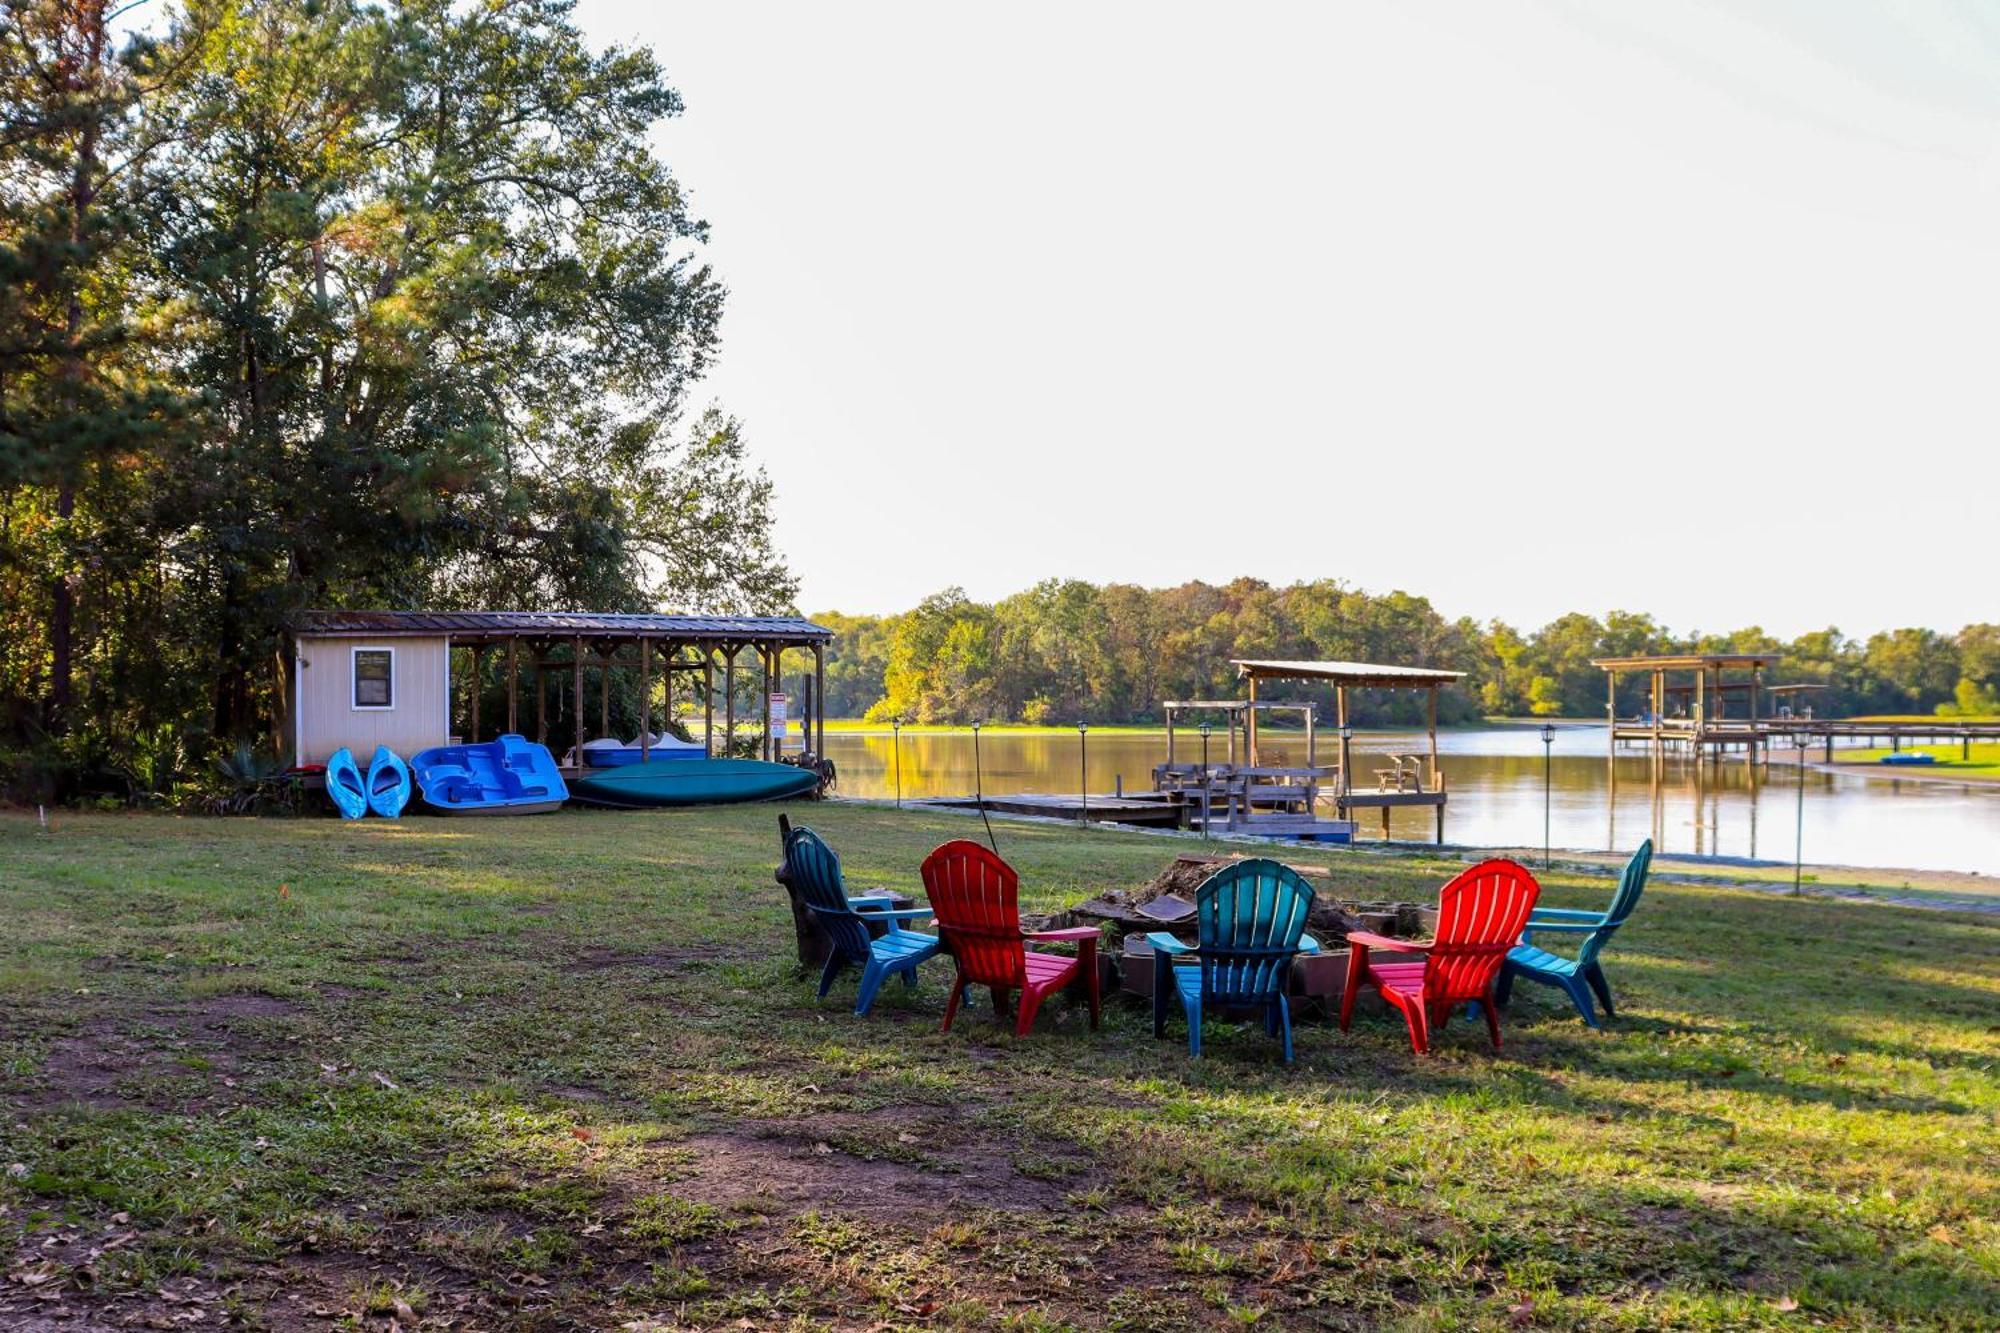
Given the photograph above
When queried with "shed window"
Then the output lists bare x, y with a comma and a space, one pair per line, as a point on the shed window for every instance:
374, 678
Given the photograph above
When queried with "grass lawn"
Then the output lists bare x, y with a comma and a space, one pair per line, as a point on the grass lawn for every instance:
558, 1073
1983, 762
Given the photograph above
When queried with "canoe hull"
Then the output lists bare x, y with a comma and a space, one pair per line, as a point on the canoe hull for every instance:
670, 783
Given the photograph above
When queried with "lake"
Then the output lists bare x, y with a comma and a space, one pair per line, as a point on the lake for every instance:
1494, 775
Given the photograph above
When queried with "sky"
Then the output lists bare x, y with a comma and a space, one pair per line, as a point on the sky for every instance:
1526, 307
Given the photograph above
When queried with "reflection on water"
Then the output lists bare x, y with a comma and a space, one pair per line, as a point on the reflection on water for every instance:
1494, 776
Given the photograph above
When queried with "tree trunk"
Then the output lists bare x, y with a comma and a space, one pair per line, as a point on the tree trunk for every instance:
82, 195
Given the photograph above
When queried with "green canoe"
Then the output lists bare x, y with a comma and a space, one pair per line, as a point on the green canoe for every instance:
691, 782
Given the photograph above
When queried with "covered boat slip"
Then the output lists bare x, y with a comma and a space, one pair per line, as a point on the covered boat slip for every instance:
1414, 780
426, 678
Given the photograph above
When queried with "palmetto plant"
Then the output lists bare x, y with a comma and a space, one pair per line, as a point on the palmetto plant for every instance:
250, 783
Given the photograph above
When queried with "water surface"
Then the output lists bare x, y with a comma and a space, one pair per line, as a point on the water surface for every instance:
1495, 779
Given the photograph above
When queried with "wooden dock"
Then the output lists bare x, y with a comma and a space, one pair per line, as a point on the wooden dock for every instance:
1141, 809
1152, 809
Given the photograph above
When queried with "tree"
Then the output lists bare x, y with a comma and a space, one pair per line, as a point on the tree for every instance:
431, 306
74, 398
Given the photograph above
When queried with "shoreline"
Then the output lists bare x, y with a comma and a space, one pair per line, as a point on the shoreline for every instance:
1942, 890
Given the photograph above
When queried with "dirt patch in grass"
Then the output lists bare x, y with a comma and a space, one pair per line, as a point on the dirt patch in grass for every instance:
838, 1167
182, 1058
599, 959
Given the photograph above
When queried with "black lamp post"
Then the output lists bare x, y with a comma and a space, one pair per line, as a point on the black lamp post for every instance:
1207, 793
978, 779
1548, 749
896, 725
1205, 729
1083, 768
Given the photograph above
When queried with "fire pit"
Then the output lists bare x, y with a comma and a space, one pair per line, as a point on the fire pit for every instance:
1166, 903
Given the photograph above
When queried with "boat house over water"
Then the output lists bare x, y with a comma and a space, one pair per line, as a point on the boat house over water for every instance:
412, 679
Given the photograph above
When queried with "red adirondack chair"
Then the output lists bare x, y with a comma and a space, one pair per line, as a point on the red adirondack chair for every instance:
1481, 914
973, 900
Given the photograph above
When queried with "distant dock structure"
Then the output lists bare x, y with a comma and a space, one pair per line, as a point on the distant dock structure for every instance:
1707, 704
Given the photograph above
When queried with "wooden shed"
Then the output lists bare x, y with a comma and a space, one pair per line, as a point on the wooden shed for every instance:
367, 678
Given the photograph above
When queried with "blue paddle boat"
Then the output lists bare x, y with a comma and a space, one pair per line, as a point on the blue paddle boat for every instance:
388, 783
1907, 759
344, 784
510, 776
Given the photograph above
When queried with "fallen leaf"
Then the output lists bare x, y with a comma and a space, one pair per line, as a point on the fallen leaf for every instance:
1521, 1313
405, 1313
384, 1080
580, 1132
1785, 1303
593, 1228
823, 1149
906, 1137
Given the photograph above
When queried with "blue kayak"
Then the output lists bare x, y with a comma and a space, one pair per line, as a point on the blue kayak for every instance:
388, 783
344, 784
510, 776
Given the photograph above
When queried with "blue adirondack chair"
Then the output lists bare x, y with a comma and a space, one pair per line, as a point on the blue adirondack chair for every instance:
1251, 917
864, 931
1577, 977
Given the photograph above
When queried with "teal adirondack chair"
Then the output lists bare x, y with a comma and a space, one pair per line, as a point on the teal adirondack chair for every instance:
1578, 977
1252, 917
863, 932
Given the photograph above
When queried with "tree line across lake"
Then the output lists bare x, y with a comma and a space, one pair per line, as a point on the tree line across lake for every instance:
1066, 650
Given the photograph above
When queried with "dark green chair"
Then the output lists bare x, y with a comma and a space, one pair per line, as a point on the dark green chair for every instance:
1583, 975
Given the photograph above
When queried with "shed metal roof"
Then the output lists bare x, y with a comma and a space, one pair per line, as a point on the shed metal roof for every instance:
562, 624
1346, 673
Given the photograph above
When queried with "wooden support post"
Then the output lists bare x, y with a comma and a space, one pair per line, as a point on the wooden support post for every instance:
576, 702
604, 694
1611, 712
669, 657
476, 692
513, 685
1431, 719
1250, 723
819, 700
729, 697
645, 700
541, 702
708, 701
1346, 752
768, 656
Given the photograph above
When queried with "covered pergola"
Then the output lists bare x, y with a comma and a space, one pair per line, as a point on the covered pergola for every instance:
1345, 677
1702, 697
698, 647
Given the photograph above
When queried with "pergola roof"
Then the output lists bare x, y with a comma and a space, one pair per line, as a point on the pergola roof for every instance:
1347, 673
1686, 661
489, 625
